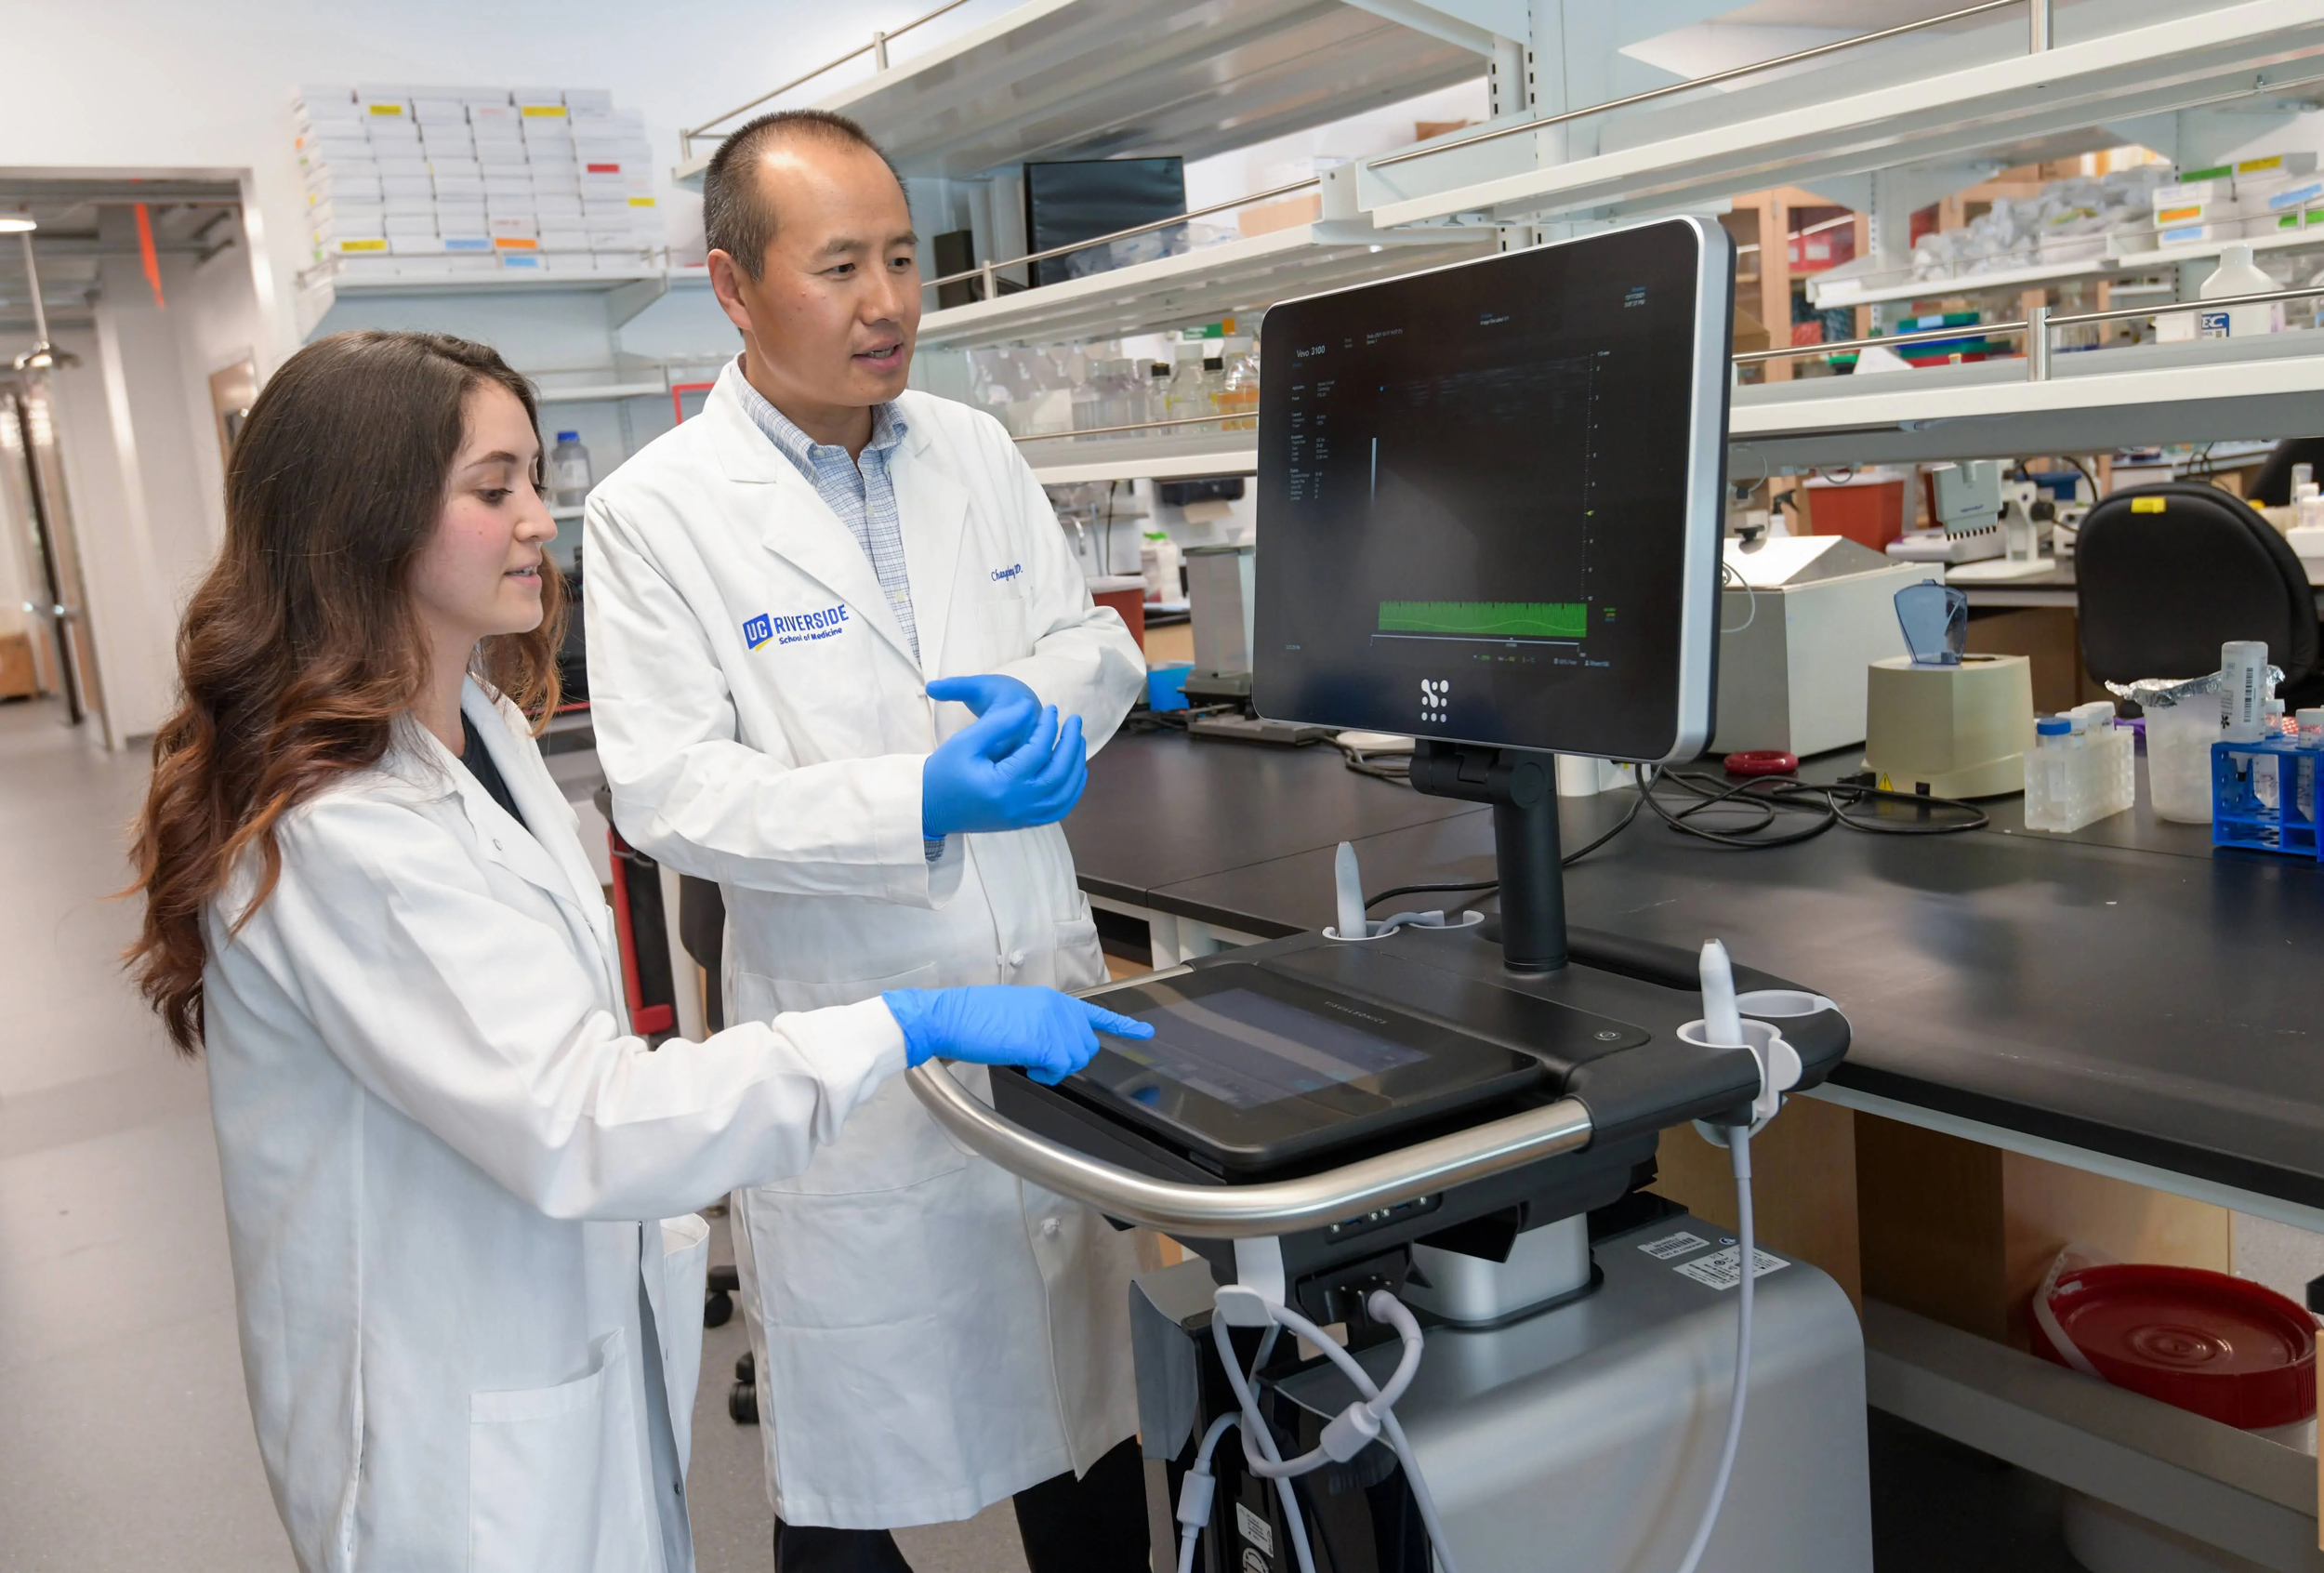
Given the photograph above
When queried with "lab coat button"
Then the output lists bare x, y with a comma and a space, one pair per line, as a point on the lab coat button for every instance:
1049, 1227
1016, 958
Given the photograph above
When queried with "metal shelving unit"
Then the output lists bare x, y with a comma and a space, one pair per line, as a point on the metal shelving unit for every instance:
1106, 78
1064, 460
1988, 95
2094, 399
1236, 278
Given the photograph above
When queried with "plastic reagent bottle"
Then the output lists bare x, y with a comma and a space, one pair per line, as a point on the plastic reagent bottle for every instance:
2237, 274
568, 477
2243, 679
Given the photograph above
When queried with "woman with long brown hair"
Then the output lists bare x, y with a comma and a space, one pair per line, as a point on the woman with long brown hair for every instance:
444, 1157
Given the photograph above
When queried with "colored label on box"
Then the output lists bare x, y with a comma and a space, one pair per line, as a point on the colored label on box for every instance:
354, 244
515, 243
544, 111
642, 202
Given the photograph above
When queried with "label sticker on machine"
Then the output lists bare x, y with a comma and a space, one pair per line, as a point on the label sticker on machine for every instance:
1670, 1246
1722, 1270
1256, 1530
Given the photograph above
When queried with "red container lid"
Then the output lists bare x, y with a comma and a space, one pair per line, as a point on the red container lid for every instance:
2223, 1347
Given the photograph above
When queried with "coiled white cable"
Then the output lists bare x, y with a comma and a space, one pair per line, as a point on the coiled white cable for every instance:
1374, 1414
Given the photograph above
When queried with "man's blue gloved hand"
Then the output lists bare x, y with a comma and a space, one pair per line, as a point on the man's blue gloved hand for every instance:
1051, 1034
1013, 768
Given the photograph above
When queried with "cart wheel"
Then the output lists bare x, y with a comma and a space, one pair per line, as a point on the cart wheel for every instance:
747, 1368
718, 1307
742, 1403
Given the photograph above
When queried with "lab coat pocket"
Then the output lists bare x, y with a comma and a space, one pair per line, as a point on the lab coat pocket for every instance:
889, 1141
1077, 962
537, 1486
685, 1281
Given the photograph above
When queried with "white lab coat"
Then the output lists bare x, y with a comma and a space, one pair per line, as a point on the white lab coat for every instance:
437, 1143
935, 1335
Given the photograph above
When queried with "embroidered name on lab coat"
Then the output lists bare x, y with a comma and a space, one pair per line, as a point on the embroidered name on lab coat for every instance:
796, 628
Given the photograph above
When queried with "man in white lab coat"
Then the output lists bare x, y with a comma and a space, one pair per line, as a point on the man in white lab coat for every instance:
776, 592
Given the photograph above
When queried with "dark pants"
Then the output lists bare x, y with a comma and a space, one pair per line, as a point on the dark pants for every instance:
1094, 1525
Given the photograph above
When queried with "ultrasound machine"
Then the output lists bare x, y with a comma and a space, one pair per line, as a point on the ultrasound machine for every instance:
1431, 1316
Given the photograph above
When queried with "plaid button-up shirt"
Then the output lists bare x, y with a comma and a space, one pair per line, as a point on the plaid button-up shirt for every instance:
858, 490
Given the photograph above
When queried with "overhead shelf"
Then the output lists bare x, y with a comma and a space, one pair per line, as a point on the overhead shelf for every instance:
2096, 400
600, 393
1983, 102
2124, 260
1874, 290
1062, 461
1236, 278
1116, 78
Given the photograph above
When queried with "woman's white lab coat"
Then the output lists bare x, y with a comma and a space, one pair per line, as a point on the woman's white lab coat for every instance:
938, 1335
462, 1347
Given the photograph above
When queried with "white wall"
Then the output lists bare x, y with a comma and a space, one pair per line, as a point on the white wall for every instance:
149, 84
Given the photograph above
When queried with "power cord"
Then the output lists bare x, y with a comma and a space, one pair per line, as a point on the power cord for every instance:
1483, 887
1765, 800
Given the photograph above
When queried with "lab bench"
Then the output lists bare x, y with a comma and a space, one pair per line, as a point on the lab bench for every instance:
2107, 1036
2120, 992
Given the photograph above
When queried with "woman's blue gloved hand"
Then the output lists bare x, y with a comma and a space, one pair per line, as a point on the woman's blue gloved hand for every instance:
1013, 768
1051, 1034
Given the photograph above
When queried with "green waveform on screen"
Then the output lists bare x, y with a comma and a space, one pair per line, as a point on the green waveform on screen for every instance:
1487, 619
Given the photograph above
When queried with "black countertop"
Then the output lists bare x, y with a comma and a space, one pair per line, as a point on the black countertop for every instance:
2121, 990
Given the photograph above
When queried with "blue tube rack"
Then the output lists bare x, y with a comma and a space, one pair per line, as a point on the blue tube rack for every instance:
2240, 813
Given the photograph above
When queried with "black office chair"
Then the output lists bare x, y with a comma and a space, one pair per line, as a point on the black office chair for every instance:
2165, 574
2272, 486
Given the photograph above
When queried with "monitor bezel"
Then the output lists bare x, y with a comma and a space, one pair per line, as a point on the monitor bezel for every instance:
1694, 706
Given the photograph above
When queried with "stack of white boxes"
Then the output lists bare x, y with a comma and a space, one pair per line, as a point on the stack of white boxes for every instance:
2250, 199
437, 182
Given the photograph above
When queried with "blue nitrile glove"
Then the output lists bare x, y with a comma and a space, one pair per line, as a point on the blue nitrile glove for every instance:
1051, 1035
1013, 768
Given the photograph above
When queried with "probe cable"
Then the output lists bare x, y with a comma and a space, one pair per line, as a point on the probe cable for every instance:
1747, 1270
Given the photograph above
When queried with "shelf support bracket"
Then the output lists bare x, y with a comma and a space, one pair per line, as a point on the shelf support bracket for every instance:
623, 302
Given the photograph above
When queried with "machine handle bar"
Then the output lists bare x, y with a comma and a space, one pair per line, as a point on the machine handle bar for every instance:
1277, 1207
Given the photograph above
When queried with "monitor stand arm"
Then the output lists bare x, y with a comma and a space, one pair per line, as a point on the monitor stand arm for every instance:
1521, 784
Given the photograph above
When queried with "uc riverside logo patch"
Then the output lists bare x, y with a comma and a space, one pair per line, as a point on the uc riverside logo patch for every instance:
795, 627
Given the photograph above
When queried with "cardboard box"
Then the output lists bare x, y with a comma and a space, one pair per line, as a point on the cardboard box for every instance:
409, 224
500, 155
18, 679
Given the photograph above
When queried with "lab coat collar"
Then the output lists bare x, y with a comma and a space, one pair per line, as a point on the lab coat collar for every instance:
419, 769
797, 525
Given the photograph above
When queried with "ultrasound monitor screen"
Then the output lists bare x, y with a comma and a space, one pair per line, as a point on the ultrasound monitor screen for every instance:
1489, 498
